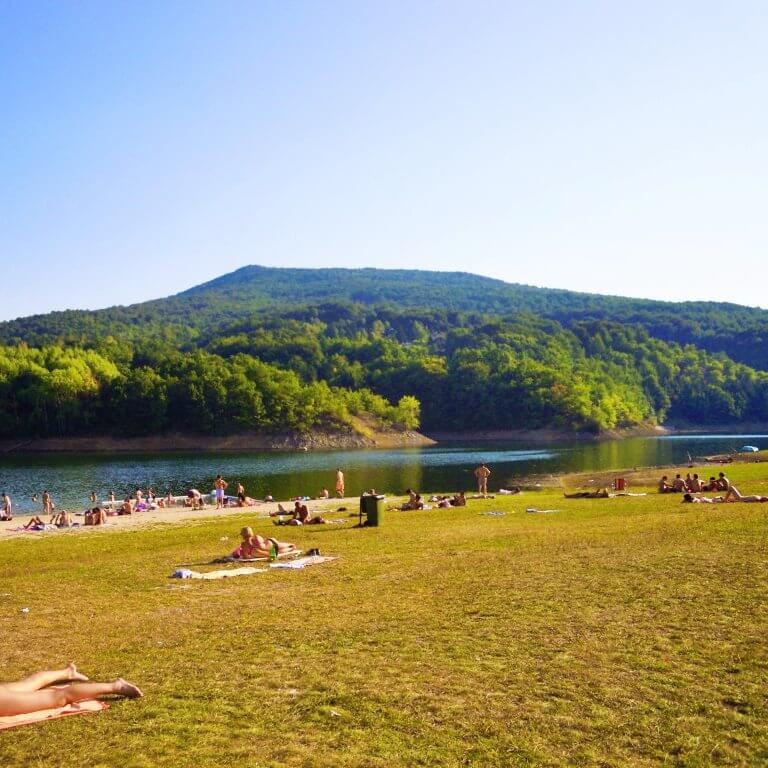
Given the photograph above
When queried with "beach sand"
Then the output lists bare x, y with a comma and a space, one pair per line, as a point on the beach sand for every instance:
262, 510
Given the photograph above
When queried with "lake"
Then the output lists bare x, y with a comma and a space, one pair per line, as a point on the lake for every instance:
70, 478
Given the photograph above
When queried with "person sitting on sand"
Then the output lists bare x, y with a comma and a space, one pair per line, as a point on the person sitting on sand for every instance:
253, 546
35, 693
96, 516
63, 520
459, 500
194, 499
301, 516
126, 507
324, 493
269, 497
599, 493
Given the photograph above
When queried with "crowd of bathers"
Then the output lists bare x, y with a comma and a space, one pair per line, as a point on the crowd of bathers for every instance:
142, 500
692, 487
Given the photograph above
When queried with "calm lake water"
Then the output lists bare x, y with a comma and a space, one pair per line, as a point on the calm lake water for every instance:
447, 467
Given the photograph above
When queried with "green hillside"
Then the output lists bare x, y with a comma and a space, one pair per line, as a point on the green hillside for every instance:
273, 349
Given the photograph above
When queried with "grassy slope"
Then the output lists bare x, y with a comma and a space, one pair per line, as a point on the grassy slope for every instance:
615, 632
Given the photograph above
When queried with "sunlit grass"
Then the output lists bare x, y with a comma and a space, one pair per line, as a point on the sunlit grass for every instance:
612, 632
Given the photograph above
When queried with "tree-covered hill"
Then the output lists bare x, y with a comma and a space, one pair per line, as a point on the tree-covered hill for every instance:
283, 349
740, 332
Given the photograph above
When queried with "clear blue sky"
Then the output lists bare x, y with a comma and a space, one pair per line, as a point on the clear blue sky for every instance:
615, 147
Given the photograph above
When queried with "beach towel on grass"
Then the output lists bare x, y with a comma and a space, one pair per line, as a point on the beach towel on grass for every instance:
303, 562
81, 708
185, 573
282, 555
534, 511
493, 514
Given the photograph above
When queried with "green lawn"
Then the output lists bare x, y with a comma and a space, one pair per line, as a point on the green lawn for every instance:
613, 632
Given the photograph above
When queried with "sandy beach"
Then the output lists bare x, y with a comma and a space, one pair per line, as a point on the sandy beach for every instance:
178, 514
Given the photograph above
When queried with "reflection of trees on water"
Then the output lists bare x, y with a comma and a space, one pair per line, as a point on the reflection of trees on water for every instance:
71, 478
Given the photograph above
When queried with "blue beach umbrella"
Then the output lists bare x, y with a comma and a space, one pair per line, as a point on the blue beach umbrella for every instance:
748, 449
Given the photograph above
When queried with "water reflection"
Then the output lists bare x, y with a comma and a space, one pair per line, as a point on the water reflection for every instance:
449, 467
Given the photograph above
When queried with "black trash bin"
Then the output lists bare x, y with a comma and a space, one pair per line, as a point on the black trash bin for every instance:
372, 507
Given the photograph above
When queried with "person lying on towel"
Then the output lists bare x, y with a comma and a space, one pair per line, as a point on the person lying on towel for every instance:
253, 546
33, 693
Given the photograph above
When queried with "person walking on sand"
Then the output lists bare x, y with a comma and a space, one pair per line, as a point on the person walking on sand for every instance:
47, 504
220, 485
482, 473
339, 483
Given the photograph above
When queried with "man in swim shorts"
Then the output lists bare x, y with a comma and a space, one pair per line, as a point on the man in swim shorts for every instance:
220, 484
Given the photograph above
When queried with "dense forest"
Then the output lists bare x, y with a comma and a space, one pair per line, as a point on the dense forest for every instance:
291, 350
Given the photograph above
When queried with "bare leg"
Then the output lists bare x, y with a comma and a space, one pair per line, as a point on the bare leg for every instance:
20, 703
44, 679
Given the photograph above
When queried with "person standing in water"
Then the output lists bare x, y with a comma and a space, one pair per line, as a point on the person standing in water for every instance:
339, 483
482, 473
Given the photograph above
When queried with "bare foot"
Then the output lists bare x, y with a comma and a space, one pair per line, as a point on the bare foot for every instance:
74, 674
129, 690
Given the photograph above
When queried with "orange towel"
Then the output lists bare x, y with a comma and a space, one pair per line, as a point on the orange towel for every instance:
81, 708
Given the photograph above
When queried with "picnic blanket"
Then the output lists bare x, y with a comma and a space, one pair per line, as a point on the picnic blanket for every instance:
81, 708
185, 573
534, 511
303, 562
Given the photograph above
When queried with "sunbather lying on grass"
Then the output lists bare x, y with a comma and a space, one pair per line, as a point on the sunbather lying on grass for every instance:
253, 546
600, 493
689, 498
33, 693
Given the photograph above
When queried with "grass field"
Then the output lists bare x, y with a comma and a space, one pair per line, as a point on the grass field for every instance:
627, 631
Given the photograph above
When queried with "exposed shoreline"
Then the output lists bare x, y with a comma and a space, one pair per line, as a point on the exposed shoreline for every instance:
242, 443
329, 441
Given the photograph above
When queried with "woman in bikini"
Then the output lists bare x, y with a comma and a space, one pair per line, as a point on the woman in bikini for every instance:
34, 693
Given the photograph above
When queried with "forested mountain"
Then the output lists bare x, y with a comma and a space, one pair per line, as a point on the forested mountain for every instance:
740, 332
287, 349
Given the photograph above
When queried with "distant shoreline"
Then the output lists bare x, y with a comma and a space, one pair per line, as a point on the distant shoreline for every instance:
329, 441
539, 436
243, 443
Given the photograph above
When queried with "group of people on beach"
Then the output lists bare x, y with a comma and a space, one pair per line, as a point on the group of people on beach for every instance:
692, 487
